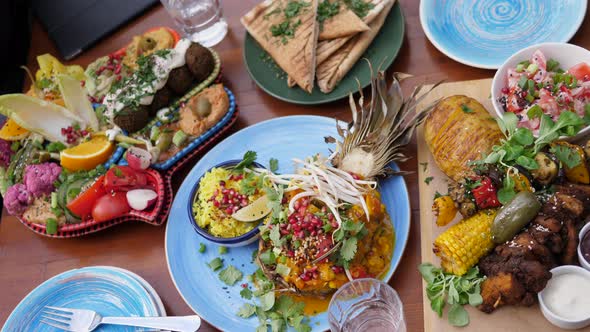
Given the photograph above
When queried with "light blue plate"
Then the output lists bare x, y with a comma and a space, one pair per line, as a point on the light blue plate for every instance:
109, 291
282, 138
484, 33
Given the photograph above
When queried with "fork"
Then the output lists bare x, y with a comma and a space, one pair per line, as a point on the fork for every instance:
79, 320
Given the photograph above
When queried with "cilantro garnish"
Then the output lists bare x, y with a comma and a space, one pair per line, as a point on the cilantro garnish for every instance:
230, 275
359, 7
247, 310
247, 160
568, 156
424, 166
326, 10
246, 293
466, 109
428, 180
457, 291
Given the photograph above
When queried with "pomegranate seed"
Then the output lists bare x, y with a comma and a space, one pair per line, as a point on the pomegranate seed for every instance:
296, 205
82, 83
330, 216
524, 94
244, 285
301, 211
228, 210
505, 90
284, 231
244, 202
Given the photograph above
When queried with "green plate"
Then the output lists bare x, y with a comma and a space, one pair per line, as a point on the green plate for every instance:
272, 79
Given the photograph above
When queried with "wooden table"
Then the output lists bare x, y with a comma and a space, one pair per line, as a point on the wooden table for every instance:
27, 259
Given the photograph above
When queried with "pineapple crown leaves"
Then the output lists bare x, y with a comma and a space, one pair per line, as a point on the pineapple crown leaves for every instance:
382, 127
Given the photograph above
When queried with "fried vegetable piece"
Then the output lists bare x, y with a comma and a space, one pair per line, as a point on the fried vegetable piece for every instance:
457, 131
580, 172
500, 290
461, 246
444, 210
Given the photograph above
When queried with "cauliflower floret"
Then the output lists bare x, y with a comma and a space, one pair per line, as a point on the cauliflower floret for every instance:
39, 178
5, 153
17, 199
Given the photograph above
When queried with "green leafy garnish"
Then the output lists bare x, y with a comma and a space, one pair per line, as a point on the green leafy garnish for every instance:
230, 275
326, 10
359, 7
246, 293
568, 156
247, 160
247, 310
552, 65
249, 184
437, 195
55, 147
428, 180
273, 165
424, 166
215, 264
466, 109
442, 288
534, 111
293, 8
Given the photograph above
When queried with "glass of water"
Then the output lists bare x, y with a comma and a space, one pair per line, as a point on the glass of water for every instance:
199, 20
366, 305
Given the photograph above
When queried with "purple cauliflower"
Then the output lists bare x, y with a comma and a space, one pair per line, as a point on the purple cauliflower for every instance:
39, 178
5, 153
17, 199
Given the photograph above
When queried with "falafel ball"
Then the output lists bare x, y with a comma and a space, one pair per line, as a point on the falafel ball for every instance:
180, 80
200, 61
132, 118
161, 99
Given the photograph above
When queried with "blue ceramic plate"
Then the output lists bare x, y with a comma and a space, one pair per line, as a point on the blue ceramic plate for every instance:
109, 291
485, 33
282, 138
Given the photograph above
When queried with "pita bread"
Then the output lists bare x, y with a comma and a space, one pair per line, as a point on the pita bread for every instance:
296, 56
331, 71
343, 24
328, 47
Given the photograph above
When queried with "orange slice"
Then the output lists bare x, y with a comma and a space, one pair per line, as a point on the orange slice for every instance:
11, 131
88, 155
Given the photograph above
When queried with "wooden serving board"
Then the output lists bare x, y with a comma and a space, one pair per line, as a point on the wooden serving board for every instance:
509, 318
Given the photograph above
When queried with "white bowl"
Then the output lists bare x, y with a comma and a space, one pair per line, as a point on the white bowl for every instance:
583, 262
556, 320
568, 55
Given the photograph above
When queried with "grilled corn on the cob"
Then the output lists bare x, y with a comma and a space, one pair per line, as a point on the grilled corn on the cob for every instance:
461, 246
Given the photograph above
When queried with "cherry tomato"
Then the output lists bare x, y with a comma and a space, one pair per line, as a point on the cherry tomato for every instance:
581, 71
124, 178
110, 206
82, 205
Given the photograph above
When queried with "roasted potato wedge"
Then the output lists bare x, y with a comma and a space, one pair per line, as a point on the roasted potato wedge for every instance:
457, 131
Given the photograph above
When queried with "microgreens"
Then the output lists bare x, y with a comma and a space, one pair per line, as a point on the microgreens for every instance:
442, 288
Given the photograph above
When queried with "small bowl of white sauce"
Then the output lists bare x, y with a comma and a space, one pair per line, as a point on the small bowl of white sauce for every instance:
565, 301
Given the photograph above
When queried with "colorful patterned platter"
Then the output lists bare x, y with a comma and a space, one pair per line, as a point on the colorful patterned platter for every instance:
496, 29
198, 284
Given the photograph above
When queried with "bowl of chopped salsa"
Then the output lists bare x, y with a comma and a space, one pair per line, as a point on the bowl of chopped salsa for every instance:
545, 82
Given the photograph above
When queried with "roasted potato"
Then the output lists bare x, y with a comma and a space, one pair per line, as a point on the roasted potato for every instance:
457, 131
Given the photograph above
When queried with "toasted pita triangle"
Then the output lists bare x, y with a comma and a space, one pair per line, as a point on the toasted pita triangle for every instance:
330, 72
297, 55
343, 24
328, 47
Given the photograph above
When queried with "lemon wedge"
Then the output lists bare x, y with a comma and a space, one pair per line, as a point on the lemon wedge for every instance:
254, 211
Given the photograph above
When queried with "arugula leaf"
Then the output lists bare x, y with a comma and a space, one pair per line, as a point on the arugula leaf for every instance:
247, 160
273, 165
246, 293
568, 156
247, 310
230, 275
215, 264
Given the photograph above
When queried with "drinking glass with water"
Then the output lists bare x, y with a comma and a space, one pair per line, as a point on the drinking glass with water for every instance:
366, 305
199, 20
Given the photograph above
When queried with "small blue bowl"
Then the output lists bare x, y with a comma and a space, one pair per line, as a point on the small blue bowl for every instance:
237, 241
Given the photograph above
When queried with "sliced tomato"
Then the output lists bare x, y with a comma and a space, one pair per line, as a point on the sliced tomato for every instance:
512, 104
581, 71
110, 206
124, 178
83, 204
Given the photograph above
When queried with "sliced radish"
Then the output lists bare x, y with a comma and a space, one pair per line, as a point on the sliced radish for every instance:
138, 159
141, 199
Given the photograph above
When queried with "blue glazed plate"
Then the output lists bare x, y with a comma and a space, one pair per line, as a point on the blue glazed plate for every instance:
109, 291
485, 33
282, 138
195, 143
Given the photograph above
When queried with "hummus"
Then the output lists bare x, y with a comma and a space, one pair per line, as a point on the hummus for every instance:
146, 44
194, 124
40, 211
